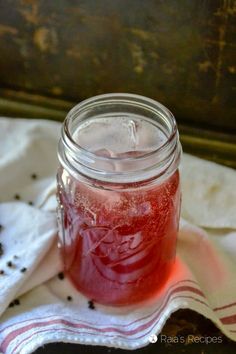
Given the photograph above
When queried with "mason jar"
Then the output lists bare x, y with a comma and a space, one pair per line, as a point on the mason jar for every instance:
119, 197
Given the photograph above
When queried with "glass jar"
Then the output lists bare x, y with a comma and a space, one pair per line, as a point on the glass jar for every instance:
119, 197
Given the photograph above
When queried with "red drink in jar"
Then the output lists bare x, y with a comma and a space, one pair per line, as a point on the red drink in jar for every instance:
119, 199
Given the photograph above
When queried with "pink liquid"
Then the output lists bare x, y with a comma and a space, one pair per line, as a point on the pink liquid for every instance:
119, 246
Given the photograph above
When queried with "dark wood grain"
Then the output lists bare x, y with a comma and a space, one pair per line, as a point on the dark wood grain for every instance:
181, 53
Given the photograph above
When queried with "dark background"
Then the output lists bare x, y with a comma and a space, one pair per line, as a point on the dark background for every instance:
180, 52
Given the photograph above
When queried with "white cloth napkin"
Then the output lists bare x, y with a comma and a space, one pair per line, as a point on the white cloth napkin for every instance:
44, 308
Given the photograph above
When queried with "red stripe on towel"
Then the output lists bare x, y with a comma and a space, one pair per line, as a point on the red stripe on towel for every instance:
225, 306
89, 323
20, 331
229, 319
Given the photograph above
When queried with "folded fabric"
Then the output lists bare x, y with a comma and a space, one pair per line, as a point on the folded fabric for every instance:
38, 306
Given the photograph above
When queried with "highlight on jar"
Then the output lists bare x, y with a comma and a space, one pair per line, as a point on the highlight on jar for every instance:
119, 197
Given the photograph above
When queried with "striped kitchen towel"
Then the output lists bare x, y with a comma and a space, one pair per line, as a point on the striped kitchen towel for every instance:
38, 305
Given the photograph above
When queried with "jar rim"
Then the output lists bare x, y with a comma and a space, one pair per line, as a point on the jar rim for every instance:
162, 159
120, 98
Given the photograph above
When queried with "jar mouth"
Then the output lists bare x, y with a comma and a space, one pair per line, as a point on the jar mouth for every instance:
118, 98
118, 107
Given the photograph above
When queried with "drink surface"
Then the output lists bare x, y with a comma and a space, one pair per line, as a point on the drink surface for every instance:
118, 245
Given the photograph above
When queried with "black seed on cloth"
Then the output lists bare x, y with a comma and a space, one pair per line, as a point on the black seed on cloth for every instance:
2, 272
23, 270
30, 203
61, 275
1, 249
34, 176
17, 196
16, 302
69, 298
91, 305
11, 304
10, 264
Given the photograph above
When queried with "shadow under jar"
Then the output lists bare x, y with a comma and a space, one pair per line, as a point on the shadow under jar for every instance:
118, 197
